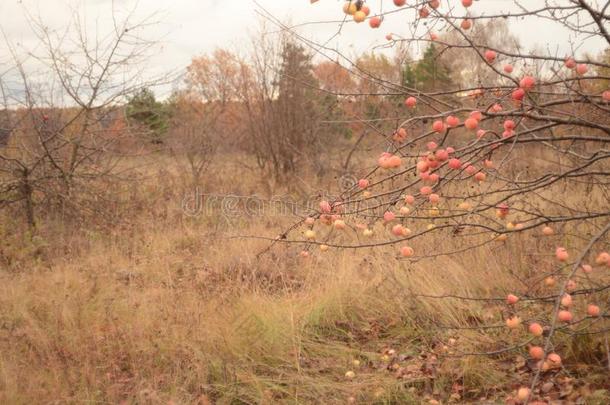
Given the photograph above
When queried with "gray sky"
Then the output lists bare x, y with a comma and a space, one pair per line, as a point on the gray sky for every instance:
191, 27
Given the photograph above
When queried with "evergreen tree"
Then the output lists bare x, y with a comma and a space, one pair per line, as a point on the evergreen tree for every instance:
301, 107
144, 109
408, 76
430, 73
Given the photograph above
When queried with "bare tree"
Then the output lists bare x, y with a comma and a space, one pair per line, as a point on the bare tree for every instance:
193, 140
284, 107
63, 112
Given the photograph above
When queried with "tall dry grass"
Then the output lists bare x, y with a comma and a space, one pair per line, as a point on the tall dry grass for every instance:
165, 308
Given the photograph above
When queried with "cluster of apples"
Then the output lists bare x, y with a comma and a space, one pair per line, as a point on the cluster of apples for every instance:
528, 82
434, 158
426, 166
388, 160
424, 11
398, 229
553, 360
491, 55
581, 69
330, 215
360, 12
475, 117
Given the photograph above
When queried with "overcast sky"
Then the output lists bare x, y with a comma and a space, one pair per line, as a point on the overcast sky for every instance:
192, 27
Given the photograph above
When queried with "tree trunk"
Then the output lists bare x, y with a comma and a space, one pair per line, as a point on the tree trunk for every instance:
27, 195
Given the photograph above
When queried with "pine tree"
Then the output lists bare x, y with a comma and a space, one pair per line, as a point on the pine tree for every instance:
144, 109
430, 73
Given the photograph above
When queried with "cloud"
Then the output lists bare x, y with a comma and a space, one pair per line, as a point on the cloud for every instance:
191, 27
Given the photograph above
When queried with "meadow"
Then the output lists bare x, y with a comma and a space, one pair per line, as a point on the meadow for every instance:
411, 207
165, 307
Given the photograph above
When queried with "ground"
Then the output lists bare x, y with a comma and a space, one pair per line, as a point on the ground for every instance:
167, 308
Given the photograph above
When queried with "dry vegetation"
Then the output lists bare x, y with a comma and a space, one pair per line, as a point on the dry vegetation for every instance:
167, 308
147, 258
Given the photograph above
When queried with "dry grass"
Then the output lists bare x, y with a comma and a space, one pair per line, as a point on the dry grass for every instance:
172, 310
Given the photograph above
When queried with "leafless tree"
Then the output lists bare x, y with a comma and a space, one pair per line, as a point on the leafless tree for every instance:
62, 117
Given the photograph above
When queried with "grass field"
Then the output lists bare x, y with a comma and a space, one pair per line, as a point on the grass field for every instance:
165, 308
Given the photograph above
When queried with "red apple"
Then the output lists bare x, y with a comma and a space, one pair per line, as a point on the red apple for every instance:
400, 135
535, 329
454, 164
581, 69
527, 82
513, 322
375, 22
441, 155
410, 102
554, 359
603, 258
406, 251
564, 316
325, 207
561, 254
452, 121
466, 24
536, 352
389, 216
490, 56
422, 166
425, 190
593, 310
438, 126
397, 230
471, 123
518, 94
